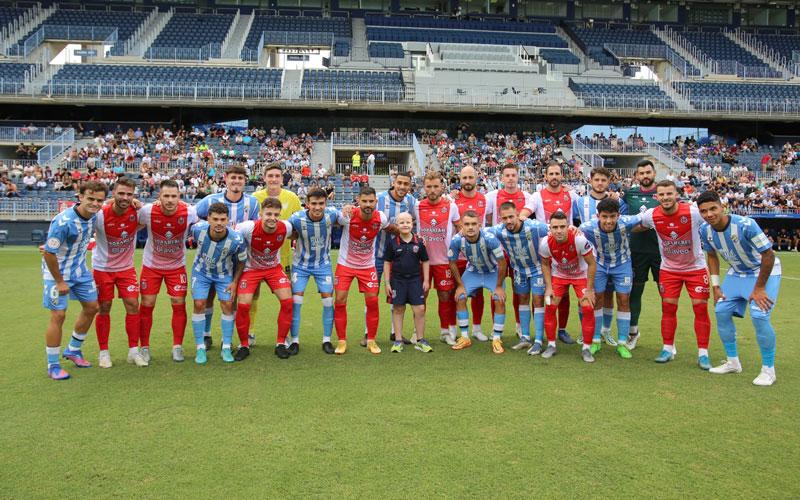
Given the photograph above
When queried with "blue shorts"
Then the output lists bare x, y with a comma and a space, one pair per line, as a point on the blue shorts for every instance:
407, 292
620, 276
737, 289
323, 276
523, 285
83, 291
476, 281
201, 284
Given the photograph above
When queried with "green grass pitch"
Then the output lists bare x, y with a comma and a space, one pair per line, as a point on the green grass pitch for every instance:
410, 425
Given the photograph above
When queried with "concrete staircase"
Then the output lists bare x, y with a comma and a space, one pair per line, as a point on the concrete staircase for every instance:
681, 46
234, 43
40, 15
321, 154
681, 102
292, 81
150, 33
359, 51
758, 49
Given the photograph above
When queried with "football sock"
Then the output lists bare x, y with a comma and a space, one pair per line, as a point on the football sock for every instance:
727, 333
52, 356
198, 328
598, 324
608, 317
284, 320
525, 320
327, 318
444, 314
373, 316
227, 330
702, 324
133, 326
208, 318
765, 336
76, 342
340, 319
563, 312
243, 323
515, 302
476, 306
146, 322
102, 325
636, 305
178, 323
463, 322
550, 322
499, 325
538, 322
702, 352
669, 322
633, 330
623, 325
296, 310
451, 316
588, 324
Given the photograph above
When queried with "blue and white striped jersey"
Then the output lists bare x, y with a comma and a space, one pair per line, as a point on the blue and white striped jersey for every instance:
246, 208
482, 255
68, 238
391, 208
313, 247
612, 249
522, 247
217, 259
740, 244
586, 208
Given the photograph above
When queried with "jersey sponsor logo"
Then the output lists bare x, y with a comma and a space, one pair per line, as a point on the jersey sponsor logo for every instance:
701, 289
673, 235
179, 288
434, 222
131, 288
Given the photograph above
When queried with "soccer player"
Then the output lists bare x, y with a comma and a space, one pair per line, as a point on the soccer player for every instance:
164, 259
312, 229
468, 198
682, 264
392, 203
357, 261
586, 208
290, 204
66, 276
264, 238
567, 260
112, 266
486, 268
753, 279
405, 255
645, 255
552, 198
437, 219
520, 239
218, 264
510, 192
241, 207
608, 233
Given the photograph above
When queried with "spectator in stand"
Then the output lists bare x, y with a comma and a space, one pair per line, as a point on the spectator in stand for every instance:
371, 163
356, 161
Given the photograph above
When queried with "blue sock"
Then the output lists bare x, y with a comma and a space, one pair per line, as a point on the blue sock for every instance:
499, 325
76, 341
538, 323
227, 330
765, 335
52, 356
623, 325
296, 308
327, 318
525, 320
598, 325
727, 332
198, 328
462, 318
209, 317
608, 317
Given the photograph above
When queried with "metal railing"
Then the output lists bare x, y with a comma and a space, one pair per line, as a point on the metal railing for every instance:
38, 135
380, 169
371, 139
56, 147
646, 51
621, 146
587, 154
106, 34
204, 53
13, 162
28, 209
673, 162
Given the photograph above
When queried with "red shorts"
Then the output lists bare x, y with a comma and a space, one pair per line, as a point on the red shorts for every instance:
125, 281
561, 286
442, 277
175, 279
367, 279
252, 278
670, 284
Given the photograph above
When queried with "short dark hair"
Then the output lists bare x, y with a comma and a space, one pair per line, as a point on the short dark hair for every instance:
125, 181
508, 204
405, 173
236, 169
94, 186
608, 205
273, 166
558, 214
552, 163
666, 183
645, 163
708, 197
509, 165
218, 208
316, 193
600, 171
366, 191
270, 202
168, 183
470, 213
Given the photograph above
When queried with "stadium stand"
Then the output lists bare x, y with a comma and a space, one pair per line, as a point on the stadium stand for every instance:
559, 56
591, 40
621, 95
9, 14
185, 33
385, 50
340, 29
783, 44
12, 77
352, 85
727, 56
741, 96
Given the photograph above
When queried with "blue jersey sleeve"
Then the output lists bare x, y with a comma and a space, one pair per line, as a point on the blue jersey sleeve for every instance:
587, 228
704, 238
455, 248
494, 245
58, 234
756, 236
631, 221
202, 207
254, 208
623, 207
241, 251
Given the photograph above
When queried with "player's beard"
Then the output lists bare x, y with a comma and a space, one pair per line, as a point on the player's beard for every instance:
468, 187
646, 182
554, 183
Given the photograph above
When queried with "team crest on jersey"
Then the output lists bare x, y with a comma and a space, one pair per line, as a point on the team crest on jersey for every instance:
180, 220
415, 248
375, 226
684, 219
673, 235
444, 210
280, 237
480, 204
734, 238
132, 218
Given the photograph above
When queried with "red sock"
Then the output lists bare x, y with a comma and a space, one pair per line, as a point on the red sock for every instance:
146, 320
133, 329
702, 324
477, 308
243, 324
102, 325
669, 322
550, 322
515, 301
587, 324
451, 313
178, 323
340, 319
285, 319
444, 314
563, 312
373, 316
